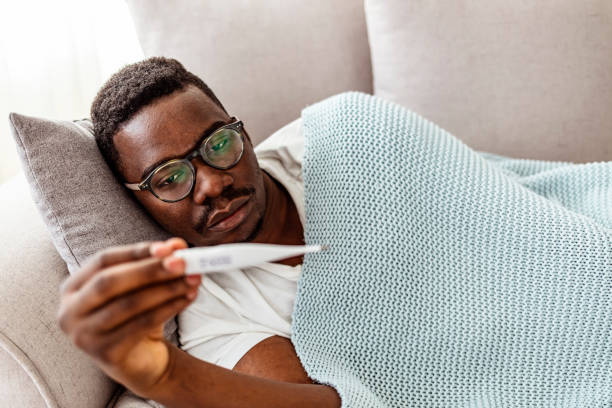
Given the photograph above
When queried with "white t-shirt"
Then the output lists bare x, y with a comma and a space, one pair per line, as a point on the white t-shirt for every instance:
237, 309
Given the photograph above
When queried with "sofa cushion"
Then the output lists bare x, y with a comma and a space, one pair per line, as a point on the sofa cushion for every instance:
38, 364
265, 60
521, 79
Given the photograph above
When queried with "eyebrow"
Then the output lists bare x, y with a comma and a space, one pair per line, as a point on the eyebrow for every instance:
203, 136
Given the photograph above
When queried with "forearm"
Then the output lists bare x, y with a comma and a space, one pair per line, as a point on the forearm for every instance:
190, 382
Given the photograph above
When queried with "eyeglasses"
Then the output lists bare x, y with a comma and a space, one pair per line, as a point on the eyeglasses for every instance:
173, 180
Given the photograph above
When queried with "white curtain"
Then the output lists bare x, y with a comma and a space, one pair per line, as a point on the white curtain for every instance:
54, 55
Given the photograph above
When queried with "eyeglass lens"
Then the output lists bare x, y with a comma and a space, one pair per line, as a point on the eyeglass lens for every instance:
223, 148
174, 181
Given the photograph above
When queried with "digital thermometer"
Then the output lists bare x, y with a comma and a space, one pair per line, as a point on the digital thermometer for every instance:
217, 258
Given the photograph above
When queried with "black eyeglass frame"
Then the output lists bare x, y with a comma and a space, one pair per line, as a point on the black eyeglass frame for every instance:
145, 185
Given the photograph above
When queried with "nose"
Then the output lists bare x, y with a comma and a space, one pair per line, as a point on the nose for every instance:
210, 182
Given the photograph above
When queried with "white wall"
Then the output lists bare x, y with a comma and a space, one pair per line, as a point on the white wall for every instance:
54, 55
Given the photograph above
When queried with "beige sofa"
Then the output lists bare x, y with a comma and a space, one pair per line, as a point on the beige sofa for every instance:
527, 81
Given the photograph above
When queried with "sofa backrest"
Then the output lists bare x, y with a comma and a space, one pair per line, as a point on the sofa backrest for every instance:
529, 79
265, 60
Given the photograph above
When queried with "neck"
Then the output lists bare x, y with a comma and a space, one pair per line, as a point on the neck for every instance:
281, 222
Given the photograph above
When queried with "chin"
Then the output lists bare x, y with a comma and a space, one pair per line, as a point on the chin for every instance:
245, 230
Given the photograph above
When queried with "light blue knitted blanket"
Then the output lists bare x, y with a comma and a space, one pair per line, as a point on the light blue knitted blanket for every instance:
454, 278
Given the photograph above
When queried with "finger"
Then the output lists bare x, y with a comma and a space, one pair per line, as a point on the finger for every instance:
120, 279
146, 322
166, 248
175, 264
129, 306
178, 243
107, 257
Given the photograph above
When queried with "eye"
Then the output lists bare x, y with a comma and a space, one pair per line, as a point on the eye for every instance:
223, 148
175, 177
220, 143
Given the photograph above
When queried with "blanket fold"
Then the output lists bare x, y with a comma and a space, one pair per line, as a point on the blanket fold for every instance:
454, 278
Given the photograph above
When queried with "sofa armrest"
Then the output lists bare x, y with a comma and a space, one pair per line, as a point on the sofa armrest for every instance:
31, 342
16, 386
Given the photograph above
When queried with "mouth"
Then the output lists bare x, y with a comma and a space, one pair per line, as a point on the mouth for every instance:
229, 217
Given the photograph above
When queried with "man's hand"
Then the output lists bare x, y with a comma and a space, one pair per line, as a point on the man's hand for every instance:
115, 306
114, 309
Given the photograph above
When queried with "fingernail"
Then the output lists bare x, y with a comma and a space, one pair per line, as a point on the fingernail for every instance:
176, 242
193, 279
172, 264
192, 294
154, 247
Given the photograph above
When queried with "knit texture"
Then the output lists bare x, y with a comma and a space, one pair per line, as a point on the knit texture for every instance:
454, 278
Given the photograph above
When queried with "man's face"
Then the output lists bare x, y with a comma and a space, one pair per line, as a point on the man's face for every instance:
171, 127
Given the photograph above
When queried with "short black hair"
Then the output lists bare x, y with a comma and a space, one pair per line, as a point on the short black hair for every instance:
131, 88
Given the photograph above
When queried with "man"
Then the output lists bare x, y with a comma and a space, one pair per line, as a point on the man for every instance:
193, 168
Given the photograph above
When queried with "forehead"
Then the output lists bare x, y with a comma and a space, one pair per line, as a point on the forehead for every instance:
167, 127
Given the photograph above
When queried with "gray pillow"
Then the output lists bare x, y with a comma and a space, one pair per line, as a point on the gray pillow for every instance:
82, 204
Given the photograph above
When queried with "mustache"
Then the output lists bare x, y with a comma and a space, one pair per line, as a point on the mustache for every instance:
209, 203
